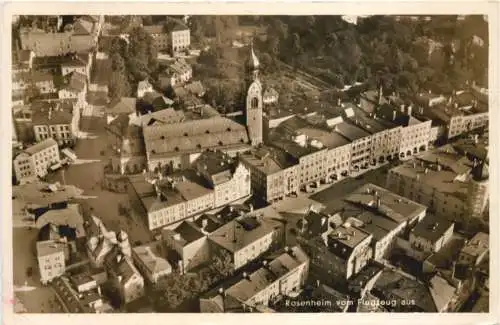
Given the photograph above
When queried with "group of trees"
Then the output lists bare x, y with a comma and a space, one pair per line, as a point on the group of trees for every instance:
131, 61
176, 288
401, 53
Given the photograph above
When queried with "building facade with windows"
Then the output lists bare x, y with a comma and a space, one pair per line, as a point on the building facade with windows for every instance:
35, 161
52, 256
58, 120
444, 181
273, 175
246, 238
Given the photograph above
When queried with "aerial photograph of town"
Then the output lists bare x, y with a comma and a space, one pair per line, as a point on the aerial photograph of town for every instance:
250, 164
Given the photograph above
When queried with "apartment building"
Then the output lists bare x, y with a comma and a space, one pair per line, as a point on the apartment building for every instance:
43, 81
190, 242
246, 238
151, 262
177, 73
54, 44
177, 146
415, 129
35, 161
52, 256
256, 290
431, 234
445, 182
167, 201
180, 38
229, 178
58, 120
159, 35
273, 174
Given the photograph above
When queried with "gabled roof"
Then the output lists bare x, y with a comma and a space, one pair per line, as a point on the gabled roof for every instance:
152, 257
40, 146
193, 136
76, 82
83, 27
123, 105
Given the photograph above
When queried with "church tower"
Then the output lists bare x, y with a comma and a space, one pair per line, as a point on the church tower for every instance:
253, 107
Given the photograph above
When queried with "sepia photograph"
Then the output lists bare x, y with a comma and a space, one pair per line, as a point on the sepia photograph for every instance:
250, 163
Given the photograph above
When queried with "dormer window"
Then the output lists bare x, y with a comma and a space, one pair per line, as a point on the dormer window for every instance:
185, 134
176, 149
198, 146
228, 129
220, 143
207, 131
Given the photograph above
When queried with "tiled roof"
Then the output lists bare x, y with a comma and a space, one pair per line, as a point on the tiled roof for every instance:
477, 245
164, 116
123, 105
41, 146
63, 217
34, 76
154, 29
268, 160
152, 256
350, 131
196, 87
77, 81
431, 228
61, 112
259, 280
44, 248
233, 237
397, 285
193, 136
83, 27
101, 72
187, 233
78, 60
24, 55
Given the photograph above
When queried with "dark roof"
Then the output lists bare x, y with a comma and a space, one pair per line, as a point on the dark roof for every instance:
123, 105
314, 225
350, 131
396, 285
61, 112
432, 228
101, 71
215, 162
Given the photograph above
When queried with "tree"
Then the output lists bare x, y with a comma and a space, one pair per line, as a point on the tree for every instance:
222, 264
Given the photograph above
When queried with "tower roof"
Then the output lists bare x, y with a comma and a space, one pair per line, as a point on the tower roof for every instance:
253, 61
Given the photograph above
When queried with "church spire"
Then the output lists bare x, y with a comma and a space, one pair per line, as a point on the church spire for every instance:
252, 64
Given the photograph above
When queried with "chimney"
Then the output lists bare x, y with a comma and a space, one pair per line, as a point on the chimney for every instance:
409, 110
204, 224
378, 203
394, 115
380, 94
99, 290
426, 170
251, 207
339, 101
402, 108
323, 221
221, 291
118, 258
50, 113
264, 263
120, 278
